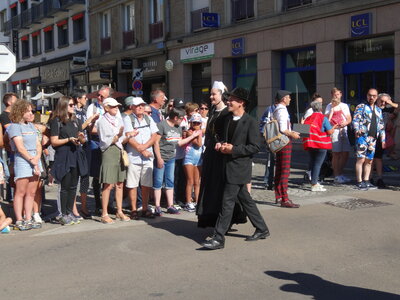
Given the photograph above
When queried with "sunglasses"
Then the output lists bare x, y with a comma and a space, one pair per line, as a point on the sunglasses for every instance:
203, 108
113, 106
148, 112
71, 105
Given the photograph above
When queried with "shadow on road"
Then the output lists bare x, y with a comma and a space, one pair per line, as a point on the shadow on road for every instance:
320, 289
185, 228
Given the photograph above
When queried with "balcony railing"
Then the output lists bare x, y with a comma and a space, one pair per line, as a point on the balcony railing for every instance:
44, 9
105, 44
128, 38
289, 4
156, 30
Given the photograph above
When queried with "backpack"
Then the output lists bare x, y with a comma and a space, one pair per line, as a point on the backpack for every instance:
274, 138
146, 118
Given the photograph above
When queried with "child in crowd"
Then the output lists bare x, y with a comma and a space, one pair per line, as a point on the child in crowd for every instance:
4, 222
192, 162
336, 116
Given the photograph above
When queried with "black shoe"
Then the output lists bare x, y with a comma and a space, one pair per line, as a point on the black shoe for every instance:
380, 184
258, 236
213, 244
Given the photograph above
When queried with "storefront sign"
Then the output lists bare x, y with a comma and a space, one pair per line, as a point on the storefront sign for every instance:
238, 47
126, 64
105, 74
199, 52
153, 65
361, 25
210, 19
55, 72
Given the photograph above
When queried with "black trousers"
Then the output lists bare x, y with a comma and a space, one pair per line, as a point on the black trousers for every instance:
69, 184
231, 193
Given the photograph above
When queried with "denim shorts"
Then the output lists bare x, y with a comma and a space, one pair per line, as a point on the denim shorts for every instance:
22, 168
164, 175
193, 157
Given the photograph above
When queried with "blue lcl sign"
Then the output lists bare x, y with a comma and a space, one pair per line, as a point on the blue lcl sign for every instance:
361, 25
238, 47
210, 19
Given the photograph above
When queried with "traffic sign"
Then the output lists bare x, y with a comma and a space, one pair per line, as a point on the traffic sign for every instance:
137, 74
137, 93
137, 85
7, 63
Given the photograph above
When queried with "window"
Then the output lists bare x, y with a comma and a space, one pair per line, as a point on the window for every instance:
36, 43
13, 9
79, 27
105, 41
242, 9
24, 5
156, 28
197, 22
62, 28
289, 4
25, 46
3, 15
48, 38
128, 35
299, 76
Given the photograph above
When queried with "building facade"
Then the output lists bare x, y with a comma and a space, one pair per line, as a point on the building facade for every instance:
50, 41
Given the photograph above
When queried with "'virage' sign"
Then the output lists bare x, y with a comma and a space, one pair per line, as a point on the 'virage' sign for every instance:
198, 52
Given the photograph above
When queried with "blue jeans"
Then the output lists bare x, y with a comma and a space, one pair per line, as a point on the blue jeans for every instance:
317, 157
164, 175
269, 169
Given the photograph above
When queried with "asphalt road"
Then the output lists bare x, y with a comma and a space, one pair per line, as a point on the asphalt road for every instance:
347, 249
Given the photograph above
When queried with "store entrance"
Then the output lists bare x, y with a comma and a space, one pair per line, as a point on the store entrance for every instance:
201, 82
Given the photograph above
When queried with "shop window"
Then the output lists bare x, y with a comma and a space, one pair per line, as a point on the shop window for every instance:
299, 77
242, 9
48, 39
128, 35
36, 43
289, 4
62, 28
245, 76
196, 18
156, 28
105, 42
78, 25
369, 64
24, 47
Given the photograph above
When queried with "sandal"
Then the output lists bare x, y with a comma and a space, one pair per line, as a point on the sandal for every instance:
147, 214
106, 220
134, 215
122, 217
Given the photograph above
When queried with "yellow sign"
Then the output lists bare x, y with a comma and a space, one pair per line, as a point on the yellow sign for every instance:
352, 93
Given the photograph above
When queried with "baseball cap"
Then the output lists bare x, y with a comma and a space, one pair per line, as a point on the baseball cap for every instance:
129, 101
195, 118
137, 101
179, 103
110, 102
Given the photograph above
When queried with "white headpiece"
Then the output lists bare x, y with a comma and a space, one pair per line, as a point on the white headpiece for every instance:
219, 85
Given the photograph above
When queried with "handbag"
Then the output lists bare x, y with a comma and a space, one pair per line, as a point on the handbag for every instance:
124, 158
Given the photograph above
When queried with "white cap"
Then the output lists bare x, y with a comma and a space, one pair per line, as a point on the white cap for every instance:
196, 117
137, 101
219, 85
110, 102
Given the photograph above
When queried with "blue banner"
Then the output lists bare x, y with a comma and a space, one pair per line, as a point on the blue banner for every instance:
361, 25
210, 19
238, 47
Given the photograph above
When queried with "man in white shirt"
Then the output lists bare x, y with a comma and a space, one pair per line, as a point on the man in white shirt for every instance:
340, 140
282, 164
143, 133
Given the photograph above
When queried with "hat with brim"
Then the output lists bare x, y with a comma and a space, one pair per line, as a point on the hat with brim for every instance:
179, 103
137, 101
281, 93
195, 118
129, 101
111, 102
240, 93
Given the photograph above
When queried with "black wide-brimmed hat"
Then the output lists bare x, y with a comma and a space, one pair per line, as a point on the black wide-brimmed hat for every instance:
240, 93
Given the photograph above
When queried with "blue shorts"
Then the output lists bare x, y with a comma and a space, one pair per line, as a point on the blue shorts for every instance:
193, 156
365, 147
164, 175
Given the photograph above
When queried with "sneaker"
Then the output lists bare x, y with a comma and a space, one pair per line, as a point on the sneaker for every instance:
172, 210
157, 211
74, 219
339, 180
5, 229
34, 224
318, 188
22, 226
36, 218
380, 184
65, 220
345, 179
78, 217
361, 186
177, 206
189, 207
370, 186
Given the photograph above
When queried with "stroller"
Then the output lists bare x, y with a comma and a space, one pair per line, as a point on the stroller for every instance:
326, 169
